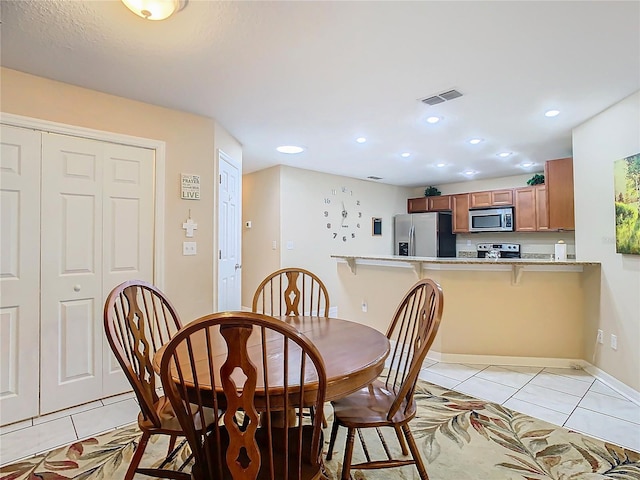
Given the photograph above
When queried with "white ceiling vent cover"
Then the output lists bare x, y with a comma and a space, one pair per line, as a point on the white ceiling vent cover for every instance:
441, 97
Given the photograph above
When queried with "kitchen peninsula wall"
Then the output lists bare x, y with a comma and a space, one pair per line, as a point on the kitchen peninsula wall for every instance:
533, 245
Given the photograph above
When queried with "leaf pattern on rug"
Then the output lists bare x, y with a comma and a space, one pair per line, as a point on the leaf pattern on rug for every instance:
460, 437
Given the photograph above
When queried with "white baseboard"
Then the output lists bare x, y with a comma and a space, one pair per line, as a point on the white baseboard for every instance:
608, 380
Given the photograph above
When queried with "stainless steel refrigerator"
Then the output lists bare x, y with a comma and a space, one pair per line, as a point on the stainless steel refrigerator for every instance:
424, 235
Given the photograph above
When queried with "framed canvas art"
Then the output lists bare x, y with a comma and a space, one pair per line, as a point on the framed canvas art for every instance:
626, 178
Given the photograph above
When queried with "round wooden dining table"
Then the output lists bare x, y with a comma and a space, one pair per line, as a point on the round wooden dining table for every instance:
354, 354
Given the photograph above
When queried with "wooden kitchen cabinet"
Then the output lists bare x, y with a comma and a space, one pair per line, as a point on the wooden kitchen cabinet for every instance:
440, 203
531, 213
491, 198
418, 205
460, 204
558, 176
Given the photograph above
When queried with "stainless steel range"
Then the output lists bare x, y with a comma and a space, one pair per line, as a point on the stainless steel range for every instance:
503, 250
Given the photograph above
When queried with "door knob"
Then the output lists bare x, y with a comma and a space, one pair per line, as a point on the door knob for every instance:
238, 265
76, 288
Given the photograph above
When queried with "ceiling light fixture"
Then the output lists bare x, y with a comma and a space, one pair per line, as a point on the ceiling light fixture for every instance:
291, 149
552, 113
469, 172
475, 141
433, 119
361, 139
440, 165
504, 154
405, 154
155, 9
527, 164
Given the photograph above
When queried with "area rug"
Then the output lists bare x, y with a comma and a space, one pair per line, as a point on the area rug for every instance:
460, 438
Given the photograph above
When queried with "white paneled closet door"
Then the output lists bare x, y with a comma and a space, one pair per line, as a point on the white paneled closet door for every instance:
128, 219
95, 234
19, 273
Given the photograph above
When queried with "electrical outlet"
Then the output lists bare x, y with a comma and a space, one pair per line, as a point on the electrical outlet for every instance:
614, 341
600, 336
364, 306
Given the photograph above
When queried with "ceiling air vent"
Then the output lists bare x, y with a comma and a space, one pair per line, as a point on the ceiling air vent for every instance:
371, 177
441, 97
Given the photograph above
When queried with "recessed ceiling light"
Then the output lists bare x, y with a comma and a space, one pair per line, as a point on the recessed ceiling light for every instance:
469, 172
405, 154
475, 141
433, 119
527, 164
361, 139
440, 165
504, 154
551, 113
289, 149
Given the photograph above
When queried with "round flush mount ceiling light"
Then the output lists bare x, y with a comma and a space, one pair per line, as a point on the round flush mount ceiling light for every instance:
504, 154
433, 119
405, 154
441, 164
154, 9
361, 140
552, 113
475, 141
291, 149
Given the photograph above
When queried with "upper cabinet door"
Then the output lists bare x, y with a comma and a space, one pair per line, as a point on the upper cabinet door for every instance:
418, 205
559, 181
491, 198
439, 203
19, 273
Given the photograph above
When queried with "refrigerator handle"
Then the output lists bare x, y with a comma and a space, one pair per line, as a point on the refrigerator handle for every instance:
412, 238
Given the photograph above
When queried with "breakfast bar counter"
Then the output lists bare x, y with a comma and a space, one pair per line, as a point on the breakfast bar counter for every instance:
506, 310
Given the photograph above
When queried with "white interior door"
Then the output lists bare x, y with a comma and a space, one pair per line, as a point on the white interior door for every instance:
19, 273
229, 239
71, 270
128, 226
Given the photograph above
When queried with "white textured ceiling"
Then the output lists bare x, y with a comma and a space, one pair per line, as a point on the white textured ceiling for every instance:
321, 73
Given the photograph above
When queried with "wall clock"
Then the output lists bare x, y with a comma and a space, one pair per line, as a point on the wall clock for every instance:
342, 214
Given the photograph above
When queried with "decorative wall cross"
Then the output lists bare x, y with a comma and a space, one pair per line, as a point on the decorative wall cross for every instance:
190, 226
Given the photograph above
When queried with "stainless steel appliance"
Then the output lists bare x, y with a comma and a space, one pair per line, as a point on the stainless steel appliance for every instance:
502, 250
491, 220
424, 235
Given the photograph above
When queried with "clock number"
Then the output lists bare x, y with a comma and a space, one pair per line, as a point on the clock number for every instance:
327, 201
353, 235
333, 191
358, 202
326, 214
359, 214
358, 225
344, 238
328, 225
335, 234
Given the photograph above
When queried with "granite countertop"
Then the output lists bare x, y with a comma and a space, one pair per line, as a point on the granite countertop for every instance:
465, 260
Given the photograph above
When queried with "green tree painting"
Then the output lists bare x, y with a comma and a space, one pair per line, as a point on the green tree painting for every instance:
626, 177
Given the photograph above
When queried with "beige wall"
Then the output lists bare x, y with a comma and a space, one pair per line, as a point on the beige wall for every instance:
299, 212
612, 135
191, 142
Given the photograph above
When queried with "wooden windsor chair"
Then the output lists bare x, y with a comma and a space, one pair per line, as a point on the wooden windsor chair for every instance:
249, 384
389, 402
138, 321
291, 291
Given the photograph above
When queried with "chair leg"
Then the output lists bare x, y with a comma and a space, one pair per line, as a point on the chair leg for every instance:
332, 440
348, 453
403, 444
415, 453
137, 456
172, 444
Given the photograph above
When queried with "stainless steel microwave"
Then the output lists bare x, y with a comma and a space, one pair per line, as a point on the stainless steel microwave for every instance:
491, 220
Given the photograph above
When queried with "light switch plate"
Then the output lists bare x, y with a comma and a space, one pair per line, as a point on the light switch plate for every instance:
189, 248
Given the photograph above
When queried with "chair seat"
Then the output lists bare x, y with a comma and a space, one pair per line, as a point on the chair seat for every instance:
310, 470
368, 407
169, 423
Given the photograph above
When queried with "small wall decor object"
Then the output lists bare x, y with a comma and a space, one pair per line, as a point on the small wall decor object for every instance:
432, 192
189, 226
537, 179
376, 226
190, 186
626, 182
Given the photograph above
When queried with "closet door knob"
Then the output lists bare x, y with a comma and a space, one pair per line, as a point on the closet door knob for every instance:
76, 288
